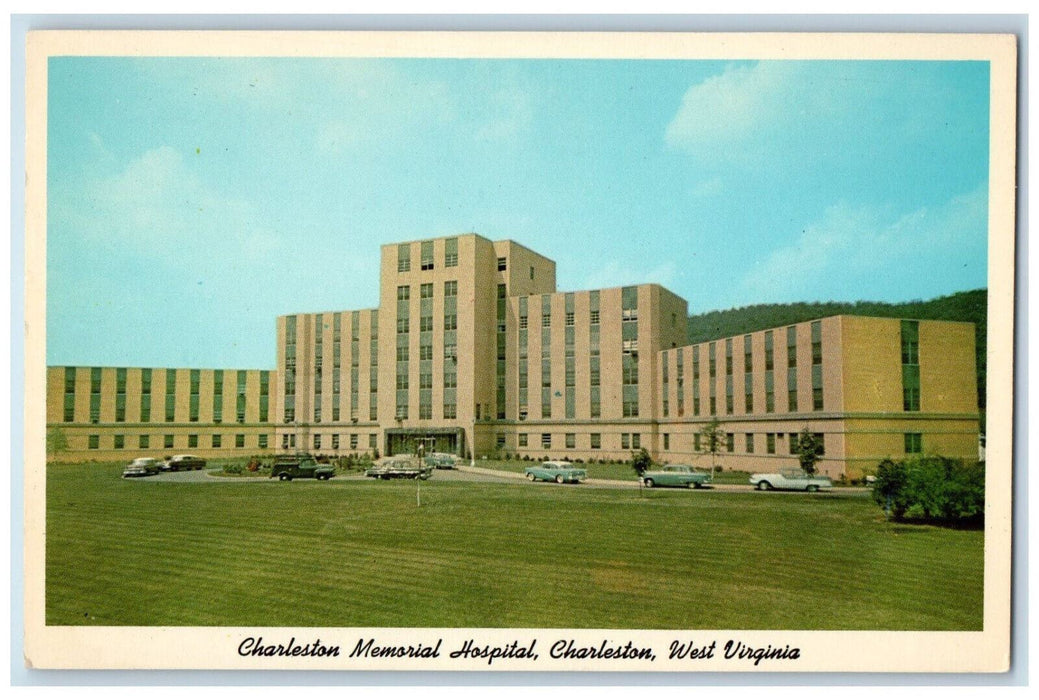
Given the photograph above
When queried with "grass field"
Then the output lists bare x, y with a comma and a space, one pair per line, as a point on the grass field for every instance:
361, 553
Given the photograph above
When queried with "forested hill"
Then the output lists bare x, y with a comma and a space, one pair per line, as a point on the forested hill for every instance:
969, 306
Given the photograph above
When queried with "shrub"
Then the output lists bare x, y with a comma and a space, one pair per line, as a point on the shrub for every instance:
932, 489
640, 461
233, 469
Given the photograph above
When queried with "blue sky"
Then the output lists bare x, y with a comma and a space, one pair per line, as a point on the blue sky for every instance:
191, 201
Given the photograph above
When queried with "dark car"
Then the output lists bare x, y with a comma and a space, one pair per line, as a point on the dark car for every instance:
185, 462
301, 467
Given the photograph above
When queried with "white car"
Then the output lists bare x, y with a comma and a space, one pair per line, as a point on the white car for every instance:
790, 480
142, 466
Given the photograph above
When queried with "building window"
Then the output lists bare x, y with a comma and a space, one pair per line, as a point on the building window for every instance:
425, 291
216, 441
404, 293
730, 442
625, 441
522, 439
667, 441
167, 442
696, 441
502, 264
143, 441
594, 318
427, 255
262, 441
571, 441
546, 440
910, 365
118, 441
353, 441
451, 252
750, 443
596, 441
93, 441
451, 288
770, 443
450, 322
192, 440
239, 440
404, 258
450, 411
636, 441
914, 443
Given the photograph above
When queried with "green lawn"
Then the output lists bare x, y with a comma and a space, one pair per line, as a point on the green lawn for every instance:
361, 553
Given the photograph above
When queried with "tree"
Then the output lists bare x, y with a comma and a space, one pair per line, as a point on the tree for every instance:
932, 489
640, 461
809, 450
712, 437
57, 441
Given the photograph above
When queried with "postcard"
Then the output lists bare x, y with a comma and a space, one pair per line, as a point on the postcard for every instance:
519, 351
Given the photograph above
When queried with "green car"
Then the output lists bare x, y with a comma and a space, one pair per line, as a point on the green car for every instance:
559, 472
676, 475
300, 467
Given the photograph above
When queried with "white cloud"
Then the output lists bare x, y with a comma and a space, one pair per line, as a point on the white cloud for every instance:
932, 250
735, 105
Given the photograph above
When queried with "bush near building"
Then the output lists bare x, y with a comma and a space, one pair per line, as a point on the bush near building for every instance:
932, 489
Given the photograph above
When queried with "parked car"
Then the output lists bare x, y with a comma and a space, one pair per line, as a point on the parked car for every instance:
559, 472
676, 475
142, 466
440, 460
399, 468
790, 480
301, 466
186, 462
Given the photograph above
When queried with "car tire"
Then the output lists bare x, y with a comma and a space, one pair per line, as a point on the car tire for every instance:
812, 489
648, 483
764, 486
531, 477
559, 478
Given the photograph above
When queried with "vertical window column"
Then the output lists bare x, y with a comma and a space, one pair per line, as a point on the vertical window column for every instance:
120, 395
770, 374
146, 395
546, 356
791, 369
95, 394
569, 359
522, 352
403, 350
289, 415
171, 395
218, 395
69, 414
500, 354
910, 365
594, 368
630, 352
817, 366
